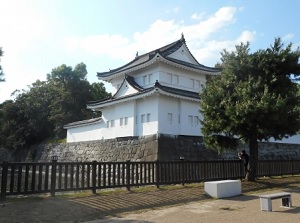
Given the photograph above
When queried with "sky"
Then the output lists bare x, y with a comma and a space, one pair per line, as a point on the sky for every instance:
39, 35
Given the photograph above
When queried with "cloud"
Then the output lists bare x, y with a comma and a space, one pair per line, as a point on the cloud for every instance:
198, 16
288, 37
245, 37
175, 10
162, 32
204, 35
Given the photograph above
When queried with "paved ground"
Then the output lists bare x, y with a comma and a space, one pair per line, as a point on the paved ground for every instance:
176, 204
238, 209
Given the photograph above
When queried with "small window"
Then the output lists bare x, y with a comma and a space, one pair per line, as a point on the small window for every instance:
196, 120
143, 118
112, 123
107, 124
126, 120
121, 121
197, 84
170, 118
175, 79
190, 119
145, 79
179, 119
192, 83
150, 77
169, 78
148, 117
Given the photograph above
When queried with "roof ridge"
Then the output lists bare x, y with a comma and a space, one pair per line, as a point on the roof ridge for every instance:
162, 50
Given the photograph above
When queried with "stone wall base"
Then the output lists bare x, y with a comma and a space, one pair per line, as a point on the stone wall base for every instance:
161, 147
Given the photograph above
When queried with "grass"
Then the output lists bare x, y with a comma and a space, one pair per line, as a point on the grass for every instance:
54, 140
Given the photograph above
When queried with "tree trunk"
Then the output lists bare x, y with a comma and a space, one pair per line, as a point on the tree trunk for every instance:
253, 152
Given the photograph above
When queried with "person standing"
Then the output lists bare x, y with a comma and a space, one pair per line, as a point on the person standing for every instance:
245, 158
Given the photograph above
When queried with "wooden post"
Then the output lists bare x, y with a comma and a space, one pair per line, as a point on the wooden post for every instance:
94, 176
157, 173
4, 181
128, 175
53, 177
183, 172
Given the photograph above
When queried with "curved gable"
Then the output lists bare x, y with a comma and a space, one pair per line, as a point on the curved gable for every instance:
128, 87
183, 54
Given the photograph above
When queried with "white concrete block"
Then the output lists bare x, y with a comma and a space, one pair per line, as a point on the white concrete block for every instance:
223, 188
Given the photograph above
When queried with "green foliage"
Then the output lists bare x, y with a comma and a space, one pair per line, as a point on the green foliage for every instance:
99, 92
71, 91
1, 71
254, 95
254, 99
41, 112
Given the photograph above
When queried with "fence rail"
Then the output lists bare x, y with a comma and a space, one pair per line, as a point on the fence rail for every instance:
53, 177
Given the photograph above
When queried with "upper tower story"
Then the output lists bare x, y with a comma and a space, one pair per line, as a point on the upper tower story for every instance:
172, 65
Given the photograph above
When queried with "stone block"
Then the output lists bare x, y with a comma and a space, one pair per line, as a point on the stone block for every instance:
223, 188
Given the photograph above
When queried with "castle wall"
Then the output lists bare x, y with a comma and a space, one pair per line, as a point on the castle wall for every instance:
161, 147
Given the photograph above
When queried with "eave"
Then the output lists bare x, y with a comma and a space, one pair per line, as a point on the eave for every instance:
157, 89
82, 123
170, 61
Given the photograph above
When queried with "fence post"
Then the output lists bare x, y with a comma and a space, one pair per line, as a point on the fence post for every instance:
157, 173
128, 175
183, 171
94, 176
53, 176
4, 180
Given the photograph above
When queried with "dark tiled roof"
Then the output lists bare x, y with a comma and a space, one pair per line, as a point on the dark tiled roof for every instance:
164, 51
177, 91
174, 91
83, 122
205, 68
133, 83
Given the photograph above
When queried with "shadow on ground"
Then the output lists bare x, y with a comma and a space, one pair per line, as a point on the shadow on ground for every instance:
104, 206
113, 205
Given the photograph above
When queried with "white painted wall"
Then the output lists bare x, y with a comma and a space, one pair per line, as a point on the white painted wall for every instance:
126, 89
190, 126
108, 115
169, 115
125, 110
146, 116
174, 117
116, 83
147, 77
85, 133
187, 80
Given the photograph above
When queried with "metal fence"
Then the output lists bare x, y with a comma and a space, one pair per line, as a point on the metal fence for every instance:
52, 177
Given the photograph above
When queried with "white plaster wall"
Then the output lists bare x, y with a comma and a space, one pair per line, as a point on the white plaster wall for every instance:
139, 76
169, 106
189, 108
185, 78
125, 110
125, 90
85, 133
161, 72
146, 106
115, 83
108, 114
